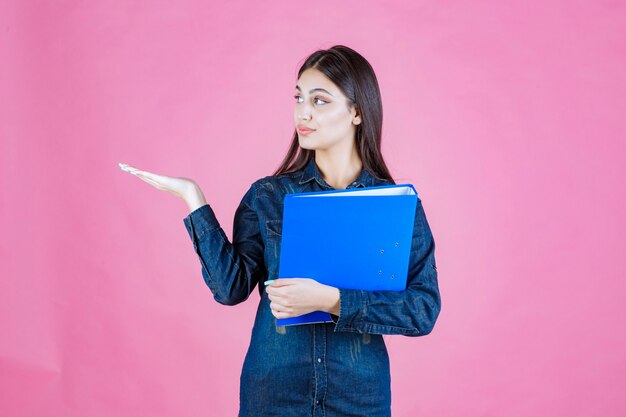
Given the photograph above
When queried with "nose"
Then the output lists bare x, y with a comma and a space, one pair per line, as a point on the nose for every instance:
303, 111
304, 116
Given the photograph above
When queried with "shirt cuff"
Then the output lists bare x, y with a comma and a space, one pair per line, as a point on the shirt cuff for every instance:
351, 309
201, 221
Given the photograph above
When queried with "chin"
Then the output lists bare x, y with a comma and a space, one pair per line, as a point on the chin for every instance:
305, 144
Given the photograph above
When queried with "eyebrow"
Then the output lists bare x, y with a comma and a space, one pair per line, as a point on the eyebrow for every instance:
315, 89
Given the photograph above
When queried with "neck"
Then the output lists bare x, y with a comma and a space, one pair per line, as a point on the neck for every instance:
339, 169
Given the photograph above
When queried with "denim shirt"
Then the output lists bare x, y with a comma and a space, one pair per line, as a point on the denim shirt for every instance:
323, 369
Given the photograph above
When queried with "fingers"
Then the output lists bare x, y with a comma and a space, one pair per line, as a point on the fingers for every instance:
280, 305
275, 294
149, 181
279, 311
280, 315
127, 168
158, 181
281, 282
135, 171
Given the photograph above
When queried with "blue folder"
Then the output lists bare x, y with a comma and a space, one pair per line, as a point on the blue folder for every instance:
353, 239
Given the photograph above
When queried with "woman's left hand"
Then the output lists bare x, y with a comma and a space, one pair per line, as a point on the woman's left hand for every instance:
291, 297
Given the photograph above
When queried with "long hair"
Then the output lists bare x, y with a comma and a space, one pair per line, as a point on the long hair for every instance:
355, 78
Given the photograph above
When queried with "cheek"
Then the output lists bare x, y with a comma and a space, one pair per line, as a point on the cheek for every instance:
334, 120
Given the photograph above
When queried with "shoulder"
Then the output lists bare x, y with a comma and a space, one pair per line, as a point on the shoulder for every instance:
376, 182
384, 182
273, 186
273, 183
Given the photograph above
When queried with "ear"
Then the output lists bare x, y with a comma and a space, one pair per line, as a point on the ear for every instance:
356, 119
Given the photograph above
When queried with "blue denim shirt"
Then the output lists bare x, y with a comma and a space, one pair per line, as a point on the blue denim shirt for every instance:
324, 369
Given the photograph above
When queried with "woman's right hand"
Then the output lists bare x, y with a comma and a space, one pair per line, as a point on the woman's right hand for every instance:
184, 188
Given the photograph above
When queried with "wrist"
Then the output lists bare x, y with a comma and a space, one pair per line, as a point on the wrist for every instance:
194, 198
331, 300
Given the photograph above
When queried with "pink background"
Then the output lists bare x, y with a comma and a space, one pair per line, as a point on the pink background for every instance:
508, 117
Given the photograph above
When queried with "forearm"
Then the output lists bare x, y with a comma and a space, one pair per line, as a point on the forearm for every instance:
412, 312
231, 270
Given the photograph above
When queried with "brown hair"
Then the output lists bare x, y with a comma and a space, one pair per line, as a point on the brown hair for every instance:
356, 79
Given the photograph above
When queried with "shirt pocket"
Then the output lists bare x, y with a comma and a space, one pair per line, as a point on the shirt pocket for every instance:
274, 233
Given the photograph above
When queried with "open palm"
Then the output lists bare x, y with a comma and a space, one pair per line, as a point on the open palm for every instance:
184, 188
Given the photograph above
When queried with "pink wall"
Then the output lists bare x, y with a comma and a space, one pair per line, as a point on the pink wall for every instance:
508, 117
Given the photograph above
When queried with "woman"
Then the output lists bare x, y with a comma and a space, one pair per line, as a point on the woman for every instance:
327, 369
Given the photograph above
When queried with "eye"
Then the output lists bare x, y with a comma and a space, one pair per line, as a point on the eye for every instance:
317, 100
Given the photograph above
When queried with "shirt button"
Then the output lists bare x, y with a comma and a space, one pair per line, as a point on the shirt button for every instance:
317, 402
319, 360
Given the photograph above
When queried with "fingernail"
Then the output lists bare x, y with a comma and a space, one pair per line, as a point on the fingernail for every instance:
269, 282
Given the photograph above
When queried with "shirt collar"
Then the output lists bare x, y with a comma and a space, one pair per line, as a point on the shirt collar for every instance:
312, 172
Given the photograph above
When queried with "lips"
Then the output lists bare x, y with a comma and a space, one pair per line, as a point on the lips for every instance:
304, 130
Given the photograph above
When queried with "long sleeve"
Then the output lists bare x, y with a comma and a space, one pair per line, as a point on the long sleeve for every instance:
230, 270
411, 312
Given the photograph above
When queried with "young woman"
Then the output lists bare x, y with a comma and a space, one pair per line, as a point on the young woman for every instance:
324, 369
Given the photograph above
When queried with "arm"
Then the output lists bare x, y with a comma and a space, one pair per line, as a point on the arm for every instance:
411, 312
230, 270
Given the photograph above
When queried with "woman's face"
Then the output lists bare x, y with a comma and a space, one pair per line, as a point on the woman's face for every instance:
321, 106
